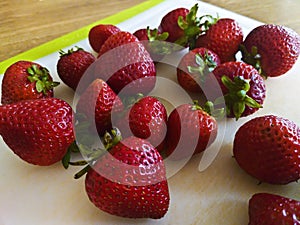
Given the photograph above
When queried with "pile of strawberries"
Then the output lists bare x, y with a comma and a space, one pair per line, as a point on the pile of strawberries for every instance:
126, 175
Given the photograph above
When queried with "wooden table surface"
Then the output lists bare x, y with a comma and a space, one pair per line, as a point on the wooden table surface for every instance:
27, 24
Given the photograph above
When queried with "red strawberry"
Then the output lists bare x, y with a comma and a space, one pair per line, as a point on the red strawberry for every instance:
154, 42
268, 148
124, 62
39, 131
169, 23
243, 88
99, 33
190, 130
72, 65
182, 25
194, 66
222, 37
271, 49
273, 209
130, 181
148, 120
97, 103
26, 80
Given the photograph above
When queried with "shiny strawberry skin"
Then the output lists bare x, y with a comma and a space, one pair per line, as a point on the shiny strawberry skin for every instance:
189, 131
98, 103
148, 120
72, 65
17, 87
190, 80
223, 38
268, 148
124, 63
278, 47
39, 131
135, 188
257, 85
98, 34
273, 209
169, 23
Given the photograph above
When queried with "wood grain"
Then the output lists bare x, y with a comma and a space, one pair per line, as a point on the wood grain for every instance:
27, 24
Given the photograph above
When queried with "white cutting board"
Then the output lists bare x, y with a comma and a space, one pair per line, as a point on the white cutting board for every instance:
218, 194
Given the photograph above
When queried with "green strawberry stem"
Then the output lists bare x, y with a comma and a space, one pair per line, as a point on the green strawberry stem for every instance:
205, 64
157, 42
129, 101
237, 99
70, 51
210, 109
194, 26
82, 172
153, 35
190, 26
110, 139
206, 21
42, 79
253, 58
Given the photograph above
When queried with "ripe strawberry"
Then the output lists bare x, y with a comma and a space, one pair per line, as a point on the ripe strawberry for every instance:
223, 38
190, 130
154, 42
272, 150
97, 103
129, 181
182, 25
99, 33
26, 80
72, 65
271, 49
194, 66
169, 23
273, 209
39, 131
124, 62
243, 88
148, 120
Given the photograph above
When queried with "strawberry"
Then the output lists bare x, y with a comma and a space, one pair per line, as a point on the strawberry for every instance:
190, 130
26, 80
243, 88
129, 181
39, 131
222, 37
72, 65
123, 62
99, 33
169, 23
273, 209
182, 25
154, 42
97, 103
194, 66
272, 150
271, 49
148, 120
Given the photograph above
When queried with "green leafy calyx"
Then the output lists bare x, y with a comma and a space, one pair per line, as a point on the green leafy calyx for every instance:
253, 58
237, 99
204, 66
70, 51
194, 26
42, 79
